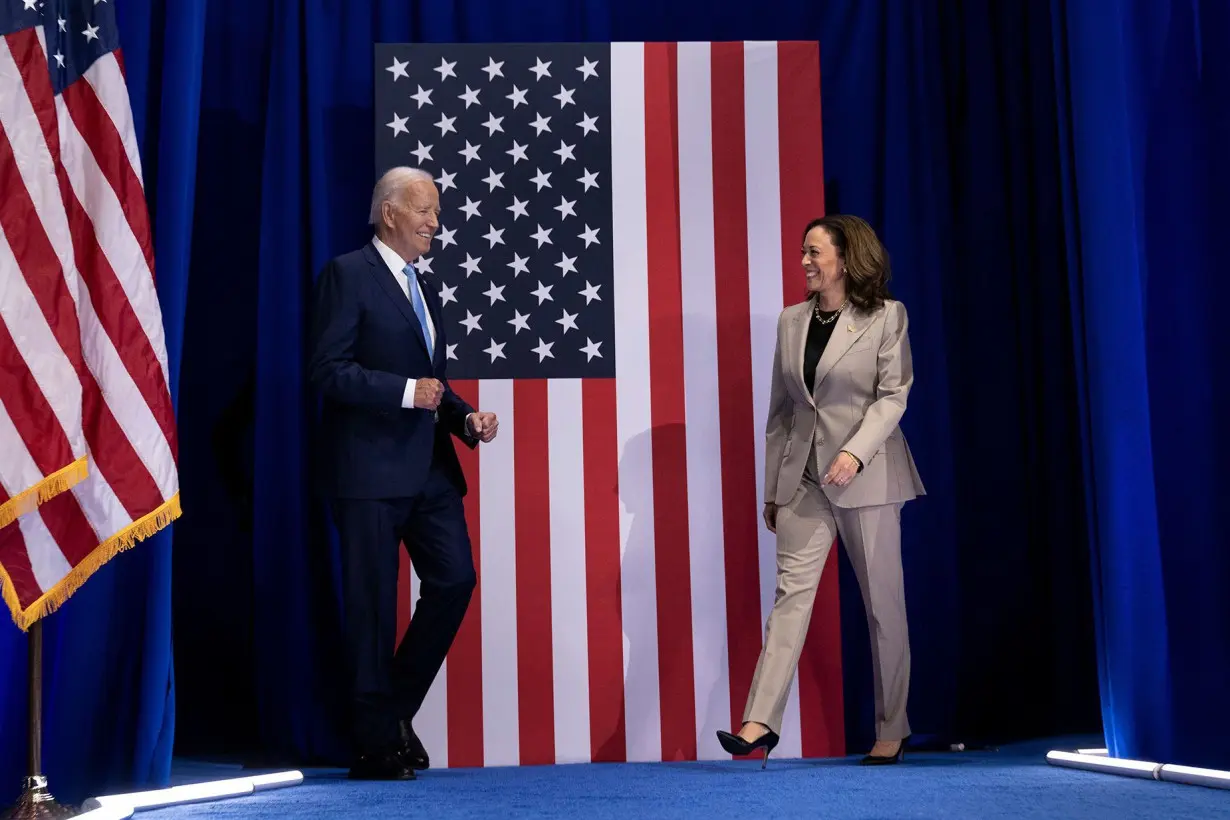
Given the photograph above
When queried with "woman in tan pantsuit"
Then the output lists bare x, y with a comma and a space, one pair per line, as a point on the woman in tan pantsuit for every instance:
836, 463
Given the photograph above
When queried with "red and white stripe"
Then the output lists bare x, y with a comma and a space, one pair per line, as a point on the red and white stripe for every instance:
624, 572
81, 288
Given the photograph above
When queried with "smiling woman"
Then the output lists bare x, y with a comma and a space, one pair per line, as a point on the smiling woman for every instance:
836, 463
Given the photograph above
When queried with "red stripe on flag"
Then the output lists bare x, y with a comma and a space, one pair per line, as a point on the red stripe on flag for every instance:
105, 143
465, 658
30, 411
603, 582
110, 449
69, 527
821, 709
669, 441
47, 441
734, 342
15, 561
115, 313
51, 292
535, 687
801, 155
36, 76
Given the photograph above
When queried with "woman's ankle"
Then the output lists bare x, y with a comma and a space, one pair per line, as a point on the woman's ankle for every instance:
753, 730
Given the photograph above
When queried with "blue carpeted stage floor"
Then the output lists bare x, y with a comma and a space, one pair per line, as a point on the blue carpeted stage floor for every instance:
1014, 782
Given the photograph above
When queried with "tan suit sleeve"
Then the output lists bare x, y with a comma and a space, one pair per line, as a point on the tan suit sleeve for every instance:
777, 424
895, 376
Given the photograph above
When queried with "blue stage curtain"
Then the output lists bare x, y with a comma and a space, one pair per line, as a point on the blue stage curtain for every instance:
1044, 179
1142, 89
109, 688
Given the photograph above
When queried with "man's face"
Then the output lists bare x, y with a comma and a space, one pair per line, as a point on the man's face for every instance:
413, 222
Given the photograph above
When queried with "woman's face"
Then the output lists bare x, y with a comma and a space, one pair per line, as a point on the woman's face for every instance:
823, 267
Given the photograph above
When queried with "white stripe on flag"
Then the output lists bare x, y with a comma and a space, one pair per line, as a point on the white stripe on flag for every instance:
128, 406
498, 559
107, 81
46, 560
643, 712
569, 622
101, 202
119, 246
431, 723
701, 400
17, 468
33, 157
765, 237
49, 366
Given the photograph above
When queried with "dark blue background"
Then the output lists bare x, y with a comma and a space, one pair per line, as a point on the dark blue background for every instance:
1045, 176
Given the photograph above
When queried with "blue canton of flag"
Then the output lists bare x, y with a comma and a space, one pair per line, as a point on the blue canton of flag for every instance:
78, 32
516, 138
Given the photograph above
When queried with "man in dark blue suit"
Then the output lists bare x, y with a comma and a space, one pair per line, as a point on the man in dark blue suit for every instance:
392, 475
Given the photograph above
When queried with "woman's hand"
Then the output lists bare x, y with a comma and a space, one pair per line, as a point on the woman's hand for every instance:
770, 516
842, 470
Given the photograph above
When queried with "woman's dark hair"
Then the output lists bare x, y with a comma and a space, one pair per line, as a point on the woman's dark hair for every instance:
866, 260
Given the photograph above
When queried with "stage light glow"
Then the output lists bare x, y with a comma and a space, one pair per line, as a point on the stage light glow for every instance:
276, 780
193, 792
1109, 765
1193, 776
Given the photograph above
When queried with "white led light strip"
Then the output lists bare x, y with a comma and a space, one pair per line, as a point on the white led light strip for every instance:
1098, 760
123, 806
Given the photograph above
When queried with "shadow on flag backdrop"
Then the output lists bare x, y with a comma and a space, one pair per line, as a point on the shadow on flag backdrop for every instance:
620, 229
87, 430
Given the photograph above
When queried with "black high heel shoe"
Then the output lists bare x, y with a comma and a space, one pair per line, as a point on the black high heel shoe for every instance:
877, 760
736, 745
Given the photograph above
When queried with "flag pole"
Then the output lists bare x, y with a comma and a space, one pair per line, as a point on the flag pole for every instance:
36, 801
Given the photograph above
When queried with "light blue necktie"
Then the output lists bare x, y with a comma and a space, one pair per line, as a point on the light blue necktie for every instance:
420, 309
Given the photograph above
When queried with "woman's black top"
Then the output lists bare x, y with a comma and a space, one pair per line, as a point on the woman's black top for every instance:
818, 334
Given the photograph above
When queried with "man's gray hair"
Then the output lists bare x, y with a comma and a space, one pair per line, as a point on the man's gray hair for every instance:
391, 187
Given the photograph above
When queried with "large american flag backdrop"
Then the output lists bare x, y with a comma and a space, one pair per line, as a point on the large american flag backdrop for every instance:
621, 227
87, 430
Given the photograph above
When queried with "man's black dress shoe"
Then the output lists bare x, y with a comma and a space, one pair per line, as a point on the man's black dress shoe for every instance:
387, 766
413, 753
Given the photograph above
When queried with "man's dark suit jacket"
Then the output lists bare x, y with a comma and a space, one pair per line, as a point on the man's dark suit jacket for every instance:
366, 343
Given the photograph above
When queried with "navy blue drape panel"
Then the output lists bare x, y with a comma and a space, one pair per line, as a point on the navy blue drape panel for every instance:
1144, 120
1044, 179
109, 688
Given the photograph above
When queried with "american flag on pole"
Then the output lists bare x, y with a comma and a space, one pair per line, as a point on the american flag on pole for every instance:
621, 228
82, 353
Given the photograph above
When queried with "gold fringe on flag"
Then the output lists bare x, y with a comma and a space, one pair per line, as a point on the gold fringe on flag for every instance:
55, 597
61, 480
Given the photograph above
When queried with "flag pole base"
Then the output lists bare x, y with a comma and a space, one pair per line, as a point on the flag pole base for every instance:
36, 803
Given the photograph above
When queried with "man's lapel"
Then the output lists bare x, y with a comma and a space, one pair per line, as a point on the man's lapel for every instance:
431, 298
384, 277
